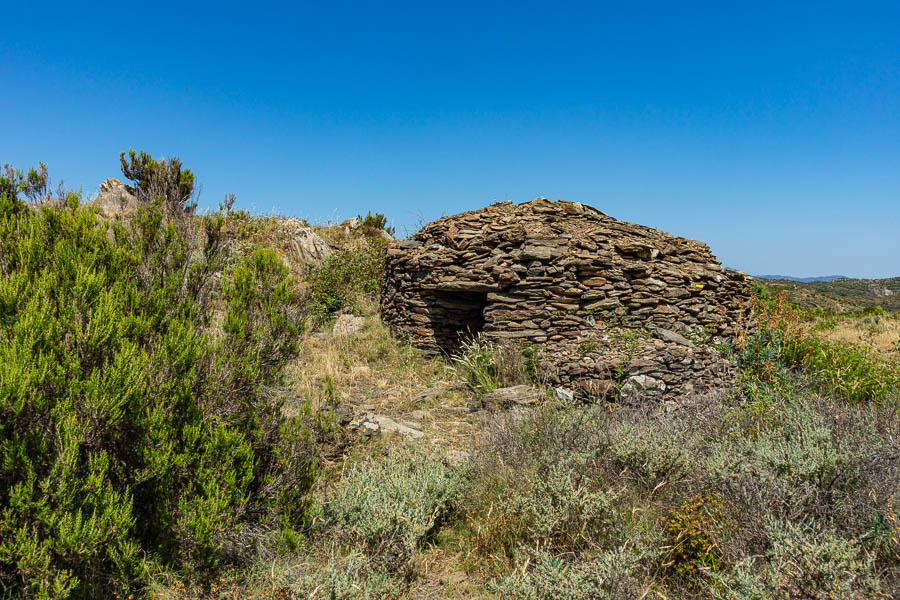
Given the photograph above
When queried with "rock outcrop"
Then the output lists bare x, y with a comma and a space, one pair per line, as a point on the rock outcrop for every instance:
305, 243
613, 304
114, 200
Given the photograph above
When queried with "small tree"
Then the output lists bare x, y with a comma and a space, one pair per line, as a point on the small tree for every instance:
36, 185
159, 180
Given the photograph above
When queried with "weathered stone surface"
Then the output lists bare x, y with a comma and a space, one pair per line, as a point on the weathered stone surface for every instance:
511, 396
114, 200
576, 281
388, 424
642, 387
309, 246
564, 394
347, 325
368, 424
110, 184
671, 336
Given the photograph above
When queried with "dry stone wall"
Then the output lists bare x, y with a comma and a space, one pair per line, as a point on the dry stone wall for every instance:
618, 308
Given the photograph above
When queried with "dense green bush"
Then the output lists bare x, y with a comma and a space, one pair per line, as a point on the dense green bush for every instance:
137, 425
343, 278
159, 179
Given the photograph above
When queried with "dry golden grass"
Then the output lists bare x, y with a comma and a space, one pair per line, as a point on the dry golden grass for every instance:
373, 372
885, 341
335, 235
369, 367
881, 334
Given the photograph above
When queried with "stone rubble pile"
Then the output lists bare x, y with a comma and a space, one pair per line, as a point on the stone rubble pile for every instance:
612, 304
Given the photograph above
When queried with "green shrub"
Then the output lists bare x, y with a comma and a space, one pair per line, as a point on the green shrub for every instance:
350, 577
557, 505
827, 325
691, 491
374, 223
652, 453
388, 508
803, 562
694, 529
761, 292
873, 311
135, 433
808, 459
156, 179
343, 278
539, 480
799, 447
872, 324
786, 460
849, 371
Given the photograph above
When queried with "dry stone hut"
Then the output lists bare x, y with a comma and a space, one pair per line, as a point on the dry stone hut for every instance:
619, 309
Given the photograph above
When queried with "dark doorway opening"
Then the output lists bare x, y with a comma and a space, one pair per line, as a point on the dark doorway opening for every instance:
462, 318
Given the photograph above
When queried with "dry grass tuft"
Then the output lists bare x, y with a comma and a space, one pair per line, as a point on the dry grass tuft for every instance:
883, 335
368, 367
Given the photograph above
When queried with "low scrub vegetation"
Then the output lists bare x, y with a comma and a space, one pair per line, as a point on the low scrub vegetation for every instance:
168, 429
388, 508
801, 489
374, 224
344, 279
852, 371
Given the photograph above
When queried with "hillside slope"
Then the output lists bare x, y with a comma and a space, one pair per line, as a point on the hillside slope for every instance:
840, 295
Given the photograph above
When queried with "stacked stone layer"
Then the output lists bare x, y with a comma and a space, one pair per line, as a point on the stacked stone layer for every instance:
609, 301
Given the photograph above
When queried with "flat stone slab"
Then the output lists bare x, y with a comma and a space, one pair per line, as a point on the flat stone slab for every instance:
388, 424
370, 424
517, 395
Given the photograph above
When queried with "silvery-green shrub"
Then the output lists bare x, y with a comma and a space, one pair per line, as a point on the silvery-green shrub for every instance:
804, 561
387, 508
616, 574
350, 577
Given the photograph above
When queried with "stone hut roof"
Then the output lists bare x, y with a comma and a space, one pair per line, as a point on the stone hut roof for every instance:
573, 279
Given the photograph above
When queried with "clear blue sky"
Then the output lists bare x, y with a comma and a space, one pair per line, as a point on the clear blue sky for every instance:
771, 131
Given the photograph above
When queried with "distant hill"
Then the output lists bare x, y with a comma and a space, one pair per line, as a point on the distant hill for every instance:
803, 279
839, 294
